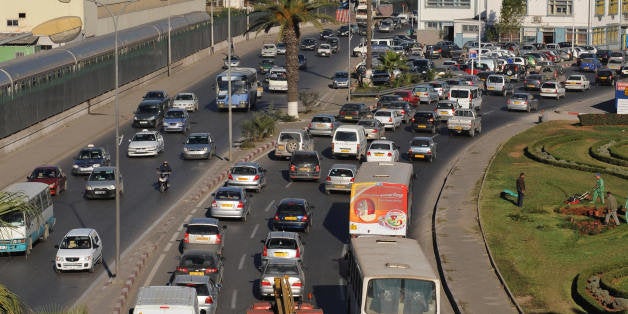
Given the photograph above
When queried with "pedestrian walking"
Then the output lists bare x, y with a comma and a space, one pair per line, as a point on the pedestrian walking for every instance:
521, 189
611, 208
598, 190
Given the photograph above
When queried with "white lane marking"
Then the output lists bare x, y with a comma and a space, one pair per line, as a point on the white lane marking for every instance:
234, 298
194, 210
167, 247
188, 217
288, 185
153, 271
270, 205
241, 264
174, 236
254, 230
487, 112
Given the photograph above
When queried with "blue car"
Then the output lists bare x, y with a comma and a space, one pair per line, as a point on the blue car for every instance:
590, 65
89, 158
176, 120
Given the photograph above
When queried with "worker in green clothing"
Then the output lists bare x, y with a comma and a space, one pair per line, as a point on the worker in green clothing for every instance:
598, 190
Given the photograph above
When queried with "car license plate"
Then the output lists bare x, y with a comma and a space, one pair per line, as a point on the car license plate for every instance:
517, 102
422, 126
344, 150
603, 77
444, 112
281, 147
197, 273
290, 218
339, 186
304, 169
458, 128
320, 125
99, 192
348, 117
419, 156
586, 68
281, 254
490, 88
226, 205
202, 238
242, 179
531, 85
379, 154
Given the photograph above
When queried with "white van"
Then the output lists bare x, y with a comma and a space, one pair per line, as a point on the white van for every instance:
469, 97
349, 141
166, 299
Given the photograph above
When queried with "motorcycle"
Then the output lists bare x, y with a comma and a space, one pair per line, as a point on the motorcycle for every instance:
163, 180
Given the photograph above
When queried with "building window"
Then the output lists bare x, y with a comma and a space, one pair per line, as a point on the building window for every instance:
613, 7
19, 54
458, 4
21, 15
469, 28
431, 25
600, 6
12, 23
560, 7
599, 37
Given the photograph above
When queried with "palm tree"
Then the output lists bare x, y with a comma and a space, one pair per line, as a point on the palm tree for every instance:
10, 302
11, 202
289, 15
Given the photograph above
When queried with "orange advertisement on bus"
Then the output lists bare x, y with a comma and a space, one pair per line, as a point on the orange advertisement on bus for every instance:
378, 208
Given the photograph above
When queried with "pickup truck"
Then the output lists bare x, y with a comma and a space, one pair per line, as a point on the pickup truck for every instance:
465, 120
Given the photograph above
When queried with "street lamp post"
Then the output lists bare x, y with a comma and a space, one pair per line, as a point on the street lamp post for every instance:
211, 24
229, 56
349, 54
169, 41
116, 113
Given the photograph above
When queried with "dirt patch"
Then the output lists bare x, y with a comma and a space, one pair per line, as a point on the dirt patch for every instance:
518, 152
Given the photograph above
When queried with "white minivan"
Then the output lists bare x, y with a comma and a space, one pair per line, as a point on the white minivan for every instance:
349, 141
469, 97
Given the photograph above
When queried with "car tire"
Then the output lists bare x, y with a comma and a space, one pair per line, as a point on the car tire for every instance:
472, 132
292, 146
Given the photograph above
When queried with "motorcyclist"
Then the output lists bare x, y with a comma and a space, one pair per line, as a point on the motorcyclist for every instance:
165, 167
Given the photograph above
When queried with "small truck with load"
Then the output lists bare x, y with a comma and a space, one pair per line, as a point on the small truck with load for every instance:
465, 120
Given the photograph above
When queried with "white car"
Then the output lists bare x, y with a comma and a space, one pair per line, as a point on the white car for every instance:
552, 89
577, 81
383, 150
146, 143
269, 51
281, 48
390, 118
187, 101
324, 50
80, 249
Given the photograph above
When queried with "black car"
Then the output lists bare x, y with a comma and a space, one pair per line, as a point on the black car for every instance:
292, 214
157, 94
384, 99
333, 42
308, 44
89, 158
448, 48
605, 77
201, 263
380, 77
150, 113
425, 121
603, 55
343, 31
326, 33
421, 66
304, 165
514, 71
353, 112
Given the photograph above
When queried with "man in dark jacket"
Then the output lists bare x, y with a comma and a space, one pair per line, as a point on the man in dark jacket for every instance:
521, 189
611, 209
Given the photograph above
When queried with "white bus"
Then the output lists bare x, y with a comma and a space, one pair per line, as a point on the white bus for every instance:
245, 89
19, 231
381, 199
390, 275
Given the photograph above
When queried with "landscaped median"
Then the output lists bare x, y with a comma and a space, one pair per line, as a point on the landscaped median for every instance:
544, 249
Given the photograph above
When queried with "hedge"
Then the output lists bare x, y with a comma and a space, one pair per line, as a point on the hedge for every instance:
596, 151
607, 277
603, 119
583, 298
617, 154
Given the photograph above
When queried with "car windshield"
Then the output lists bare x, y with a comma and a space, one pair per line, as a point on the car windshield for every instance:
76, 243
227, 195
89, 154
282, 269
367, 123
243, 170
206, 261
202, 229
383, 114
175, 114
148, 109
321, 119
350, 107
307, 158
384, 146
420, 89
41, 173
13, 219
495, 79
282, 243
289, 136
456, 93
394, 105
157, 95
341, 75
420, 143
184, 97
549, 85
587, 60
574, 78
144, 137
102, 176
201, 289
340, 172
445, 105
197, 140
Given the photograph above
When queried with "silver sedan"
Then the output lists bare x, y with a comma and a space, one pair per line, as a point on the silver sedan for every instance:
522, 101
373, 127
278, 268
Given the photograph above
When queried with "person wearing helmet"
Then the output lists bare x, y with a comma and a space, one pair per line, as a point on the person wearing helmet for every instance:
165, 167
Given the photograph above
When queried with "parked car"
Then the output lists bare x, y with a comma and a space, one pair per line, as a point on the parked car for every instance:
323, 124
422, 148
88, 158
373, 127
305, 165
80, 249
380, 77
230, 202
446, 108
205, 234
101, 183
577, 82
146, 143
522, 101
188, 101
425, 121
199, 146
247, 174
283, 245
605, 77
207, 291
176, 120
382, 150
201, 263
291, 140
292, 214
552, 89
341, 79
279, 268
353, 112
53, 176
340, 177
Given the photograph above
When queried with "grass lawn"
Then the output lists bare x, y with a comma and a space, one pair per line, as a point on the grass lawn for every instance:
538, 250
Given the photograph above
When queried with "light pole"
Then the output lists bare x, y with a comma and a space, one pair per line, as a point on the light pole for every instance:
169, 42
116, 114
349, 54
211, 24
229, 75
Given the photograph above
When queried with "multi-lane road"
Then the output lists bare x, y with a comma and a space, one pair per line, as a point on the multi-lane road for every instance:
36, 282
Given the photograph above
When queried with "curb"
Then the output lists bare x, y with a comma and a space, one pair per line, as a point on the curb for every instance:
128, 284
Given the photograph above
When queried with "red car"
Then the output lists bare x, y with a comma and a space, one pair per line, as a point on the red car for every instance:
408, 96
51, 175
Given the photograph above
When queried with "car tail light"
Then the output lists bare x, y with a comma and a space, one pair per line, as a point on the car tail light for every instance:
358, 147
186, 238
352, 180
304, 218
218, 238
211, 270
265, 283
276, 217
403, 112
429, 152
264, 251
297, 284
298, 252
209, 300
230, 177
328, 179
240, 204
368, 153
317, 168
293, 167
182, 269
214, 204
389, 154
431, 119
375, 131
309, 126
256, 177
412, 120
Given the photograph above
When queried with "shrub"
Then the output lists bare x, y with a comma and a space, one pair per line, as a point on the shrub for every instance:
603, 119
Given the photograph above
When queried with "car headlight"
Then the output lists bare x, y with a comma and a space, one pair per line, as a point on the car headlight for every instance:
96, 165
75, 166
59, 258
221, 102
135, 118
151, 118
88, 187
205, 149
87, 258
243, 102
185, 149
112, 187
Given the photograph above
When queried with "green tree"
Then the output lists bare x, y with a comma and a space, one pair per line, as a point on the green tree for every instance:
289, 15
511, 16
10, 302
391, 61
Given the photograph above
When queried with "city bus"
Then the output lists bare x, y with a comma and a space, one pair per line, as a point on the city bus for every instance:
381, 199
245, 89
18, 230
390, 275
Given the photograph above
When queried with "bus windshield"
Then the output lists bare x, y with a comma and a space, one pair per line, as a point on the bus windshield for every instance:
400, 295
13, 219
237, 87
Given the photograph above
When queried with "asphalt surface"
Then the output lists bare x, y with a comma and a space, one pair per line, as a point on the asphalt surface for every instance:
470, 277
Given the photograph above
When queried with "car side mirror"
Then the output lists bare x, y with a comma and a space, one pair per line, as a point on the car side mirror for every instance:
96, 246
56, 246
262, 241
